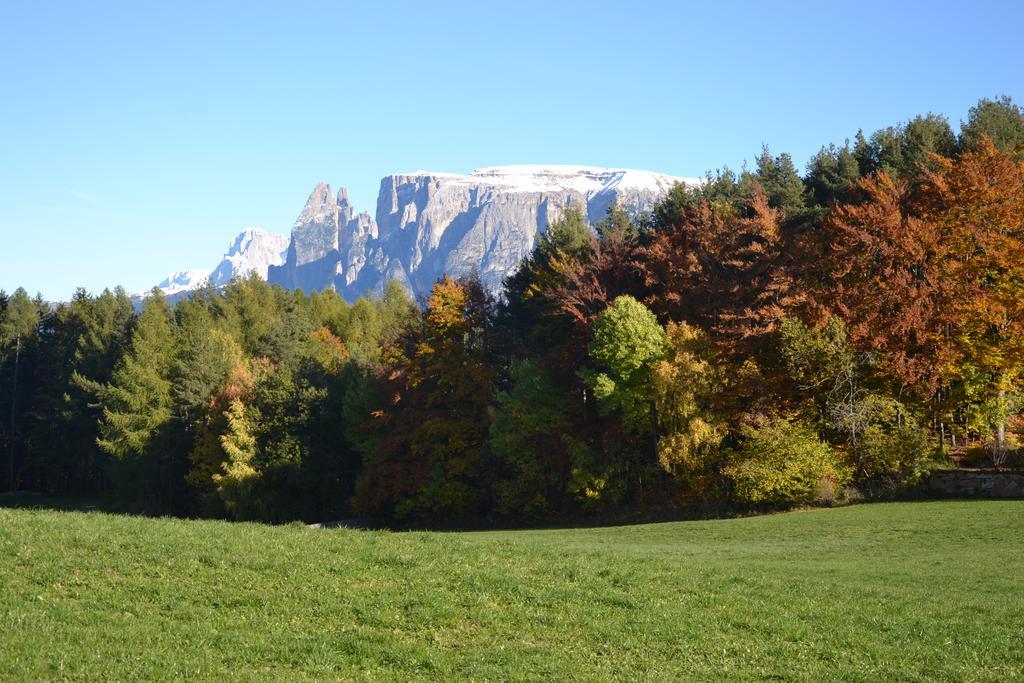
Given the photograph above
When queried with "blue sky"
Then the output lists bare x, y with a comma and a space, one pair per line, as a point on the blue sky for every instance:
139, 138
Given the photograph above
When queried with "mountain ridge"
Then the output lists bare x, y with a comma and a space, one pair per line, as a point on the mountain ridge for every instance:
426, 224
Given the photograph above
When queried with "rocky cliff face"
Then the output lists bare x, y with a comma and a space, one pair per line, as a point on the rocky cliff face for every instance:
430, 224
328, 244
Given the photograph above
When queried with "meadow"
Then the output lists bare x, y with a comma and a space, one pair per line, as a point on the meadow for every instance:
900, 591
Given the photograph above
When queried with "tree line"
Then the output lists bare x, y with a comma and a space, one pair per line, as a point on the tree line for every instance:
763, 340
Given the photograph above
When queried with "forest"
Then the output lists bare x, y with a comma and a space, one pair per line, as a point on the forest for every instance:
768, 339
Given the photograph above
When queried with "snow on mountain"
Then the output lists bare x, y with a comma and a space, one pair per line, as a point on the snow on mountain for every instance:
254, 250
184, 280
429, 224
587, 180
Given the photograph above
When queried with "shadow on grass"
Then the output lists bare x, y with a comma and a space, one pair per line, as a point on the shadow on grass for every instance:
29, 500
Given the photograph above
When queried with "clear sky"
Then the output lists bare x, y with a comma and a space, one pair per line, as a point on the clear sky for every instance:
137, 138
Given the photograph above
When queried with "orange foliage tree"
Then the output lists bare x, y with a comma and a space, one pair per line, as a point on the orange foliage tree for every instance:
932, 279
430, 459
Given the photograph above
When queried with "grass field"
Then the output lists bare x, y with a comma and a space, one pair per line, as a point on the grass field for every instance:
887, 591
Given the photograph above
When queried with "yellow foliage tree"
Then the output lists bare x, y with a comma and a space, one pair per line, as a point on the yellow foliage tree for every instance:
236, 486
685, 383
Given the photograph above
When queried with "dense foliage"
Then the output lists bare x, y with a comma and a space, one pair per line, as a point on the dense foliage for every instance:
764, 339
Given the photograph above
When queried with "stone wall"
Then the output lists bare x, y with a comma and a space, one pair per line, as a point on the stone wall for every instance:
977, 483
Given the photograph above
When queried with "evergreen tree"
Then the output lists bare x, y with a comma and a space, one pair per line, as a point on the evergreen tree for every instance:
204, 356
831, 174
138, 408
19, 330
781, 183
903, 150
249, 307
103, 325
531, 436
1001, 120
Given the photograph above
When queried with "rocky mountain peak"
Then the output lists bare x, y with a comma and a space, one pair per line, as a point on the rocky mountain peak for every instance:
320, 205
429, 224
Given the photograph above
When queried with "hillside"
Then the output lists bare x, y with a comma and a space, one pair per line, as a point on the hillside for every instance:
889, 591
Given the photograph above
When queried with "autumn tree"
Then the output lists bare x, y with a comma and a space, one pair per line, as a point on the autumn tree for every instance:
978, 201
685, 383
237, 483
930, 277
430, 461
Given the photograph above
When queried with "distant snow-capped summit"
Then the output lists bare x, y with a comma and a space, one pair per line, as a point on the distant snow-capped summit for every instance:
254, 250
427, 224
183, 280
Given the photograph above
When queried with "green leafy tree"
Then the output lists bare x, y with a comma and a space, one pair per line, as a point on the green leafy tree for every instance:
249, 308
627, 342
371, 325
783, 463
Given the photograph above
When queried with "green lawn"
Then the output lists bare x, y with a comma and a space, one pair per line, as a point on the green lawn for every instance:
871, 592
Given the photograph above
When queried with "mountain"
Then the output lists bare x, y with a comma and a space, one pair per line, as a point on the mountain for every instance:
254, 250
181, 281
428, 224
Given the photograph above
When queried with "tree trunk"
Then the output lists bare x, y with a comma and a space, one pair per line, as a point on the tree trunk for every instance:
1001, 426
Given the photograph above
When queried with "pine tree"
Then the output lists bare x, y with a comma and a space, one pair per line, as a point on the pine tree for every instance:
781, 182
1001, 120
204, 356
138, 408
19, 329
831, 174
